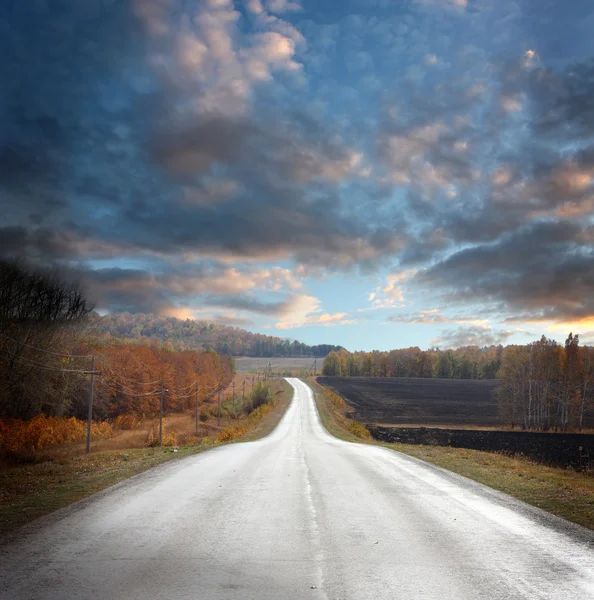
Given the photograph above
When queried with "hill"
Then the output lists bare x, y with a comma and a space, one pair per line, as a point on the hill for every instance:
188, 334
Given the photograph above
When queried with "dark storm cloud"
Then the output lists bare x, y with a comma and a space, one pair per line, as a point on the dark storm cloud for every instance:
130, 129
168, 288
545, 271
92, 133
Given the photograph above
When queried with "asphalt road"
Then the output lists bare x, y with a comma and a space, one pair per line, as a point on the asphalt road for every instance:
299, 514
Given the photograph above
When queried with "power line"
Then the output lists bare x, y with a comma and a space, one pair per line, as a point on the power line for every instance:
143, 394
187, 387
122, 389
42, 350
31, 363
135, 381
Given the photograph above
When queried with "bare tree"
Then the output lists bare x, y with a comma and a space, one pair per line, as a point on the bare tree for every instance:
41, 319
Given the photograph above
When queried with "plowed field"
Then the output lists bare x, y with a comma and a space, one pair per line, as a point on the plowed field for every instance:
391, 400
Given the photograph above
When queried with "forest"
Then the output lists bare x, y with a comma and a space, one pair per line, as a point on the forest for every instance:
178, 334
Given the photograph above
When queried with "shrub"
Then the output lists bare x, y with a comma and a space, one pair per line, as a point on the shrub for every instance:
126, 422
359, 430
231, 432
170, 439
261, 394
41, 432
336, 400
191, 440
204, 415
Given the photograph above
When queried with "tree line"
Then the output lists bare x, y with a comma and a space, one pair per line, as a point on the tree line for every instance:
180, 334
469, 362
47, 338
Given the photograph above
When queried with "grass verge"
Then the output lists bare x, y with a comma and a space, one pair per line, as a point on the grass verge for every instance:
562, 492
28, 492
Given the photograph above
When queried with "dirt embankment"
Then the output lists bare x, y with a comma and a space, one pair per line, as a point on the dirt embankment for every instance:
556, 449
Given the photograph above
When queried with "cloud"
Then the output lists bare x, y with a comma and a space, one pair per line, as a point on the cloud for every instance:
155, 147
281, 6
471, 336
390, 294
431, 317
303, 310
185, 288
544, 271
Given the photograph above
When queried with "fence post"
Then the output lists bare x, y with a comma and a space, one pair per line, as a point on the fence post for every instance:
161, 417
90, 411
219, 410
197, 416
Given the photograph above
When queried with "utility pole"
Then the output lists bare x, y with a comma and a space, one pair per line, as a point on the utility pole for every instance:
315, 366
243, 393
197, 415
161, 417
90, 411
219, 409
233, 395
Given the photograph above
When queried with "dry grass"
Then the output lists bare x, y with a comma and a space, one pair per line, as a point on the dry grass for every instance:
65, 474
562, 492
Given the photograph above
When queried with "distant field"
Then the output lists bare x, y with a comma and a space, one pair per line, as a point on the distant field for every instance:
248, 364
390, 400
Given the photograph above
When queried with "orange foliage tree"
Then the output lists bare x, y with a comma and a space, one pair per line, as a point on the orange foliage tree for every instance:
132, 376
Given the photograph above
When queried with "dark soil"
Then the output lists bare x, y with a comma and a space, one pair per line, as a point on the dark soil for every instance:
556, 449
395, 400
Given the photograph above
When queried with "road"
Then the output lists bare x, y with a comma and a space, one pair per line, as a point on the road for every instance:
299, 514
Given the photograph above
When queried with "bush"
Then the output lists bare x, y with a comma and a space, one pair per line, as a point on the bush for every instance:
336, 400
191, 440
261, 394
231, 432
41, 432
126, 422
170, 439
359, 430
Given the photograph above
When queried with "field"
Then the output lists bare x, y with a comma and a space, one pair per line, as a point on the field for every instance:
389, 400
249, 364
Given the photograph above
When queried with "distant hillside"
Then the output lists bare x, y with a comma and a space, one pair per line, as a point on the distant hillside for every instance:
187, 334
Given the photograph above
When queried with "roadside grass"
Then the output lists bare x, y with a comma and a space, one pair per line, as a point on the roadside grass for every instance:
270, 420
30, 491
562, 492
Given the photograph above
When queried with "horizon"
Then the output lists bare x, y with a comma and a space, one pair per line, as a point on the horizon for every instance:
381, 175
331, 343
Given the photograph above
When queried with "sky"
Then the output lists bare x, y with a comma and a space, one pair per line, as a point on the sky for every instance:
371, 173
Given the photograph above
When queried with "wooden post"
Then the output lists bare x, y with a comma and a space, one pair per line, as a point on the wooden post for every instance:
90, 411
161, 417
197, 415
219, 409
